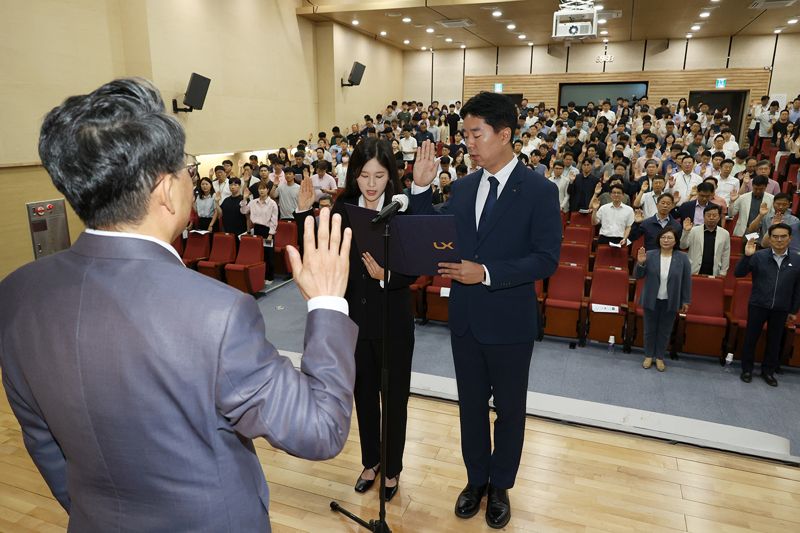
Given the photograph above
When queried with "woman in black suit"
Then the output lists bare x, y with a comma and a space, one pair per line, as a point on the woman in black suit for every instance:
371, 182
667, 290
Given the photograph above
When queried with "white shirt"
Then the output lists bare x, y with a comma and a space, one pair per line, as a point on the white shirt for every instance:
224, 189
409, 148
562, 183
730, 148
666, 261
725, 186
648, 204
683, 184
614, 220
610, 115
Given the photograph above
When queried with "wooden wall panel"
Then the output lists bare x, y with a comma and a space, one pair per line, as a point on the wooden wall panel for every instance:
672, 84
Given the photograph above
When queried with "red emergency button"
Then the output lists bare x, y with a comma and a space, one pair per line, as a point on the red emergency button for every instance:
50, 207
40, 210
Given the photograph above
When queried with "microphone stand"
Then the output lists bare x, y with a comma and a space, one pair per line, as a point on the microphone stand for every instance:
380, 525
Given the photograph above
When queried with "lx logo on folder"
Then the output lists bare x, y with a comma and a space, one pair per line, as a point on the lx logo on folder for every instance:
445, 246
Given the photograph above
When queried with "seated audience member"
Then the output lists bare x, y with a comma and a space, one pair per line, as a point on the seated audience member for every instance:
695, 209
708, 244
615, 218
323, 182
774, 299
681, 183
221, 185
651, 227
561, 178
781, 215
582, 188
287, 195
750, 205
647, 199
206, 205
763, 168
263, 213
233, 221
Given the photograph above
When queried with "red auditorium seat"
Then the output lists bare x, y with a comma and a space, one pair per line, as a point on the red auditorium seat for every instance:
223, 251
704, 325
564, 304
609, 287
247, 273
791, 348
611, 257
766, 146
730, 223
635, 329
285, 235
436, 304
579, 234
729, 280
737, 316
418, 296
178, 245
575, 254
737, 246
581, 219
198, 247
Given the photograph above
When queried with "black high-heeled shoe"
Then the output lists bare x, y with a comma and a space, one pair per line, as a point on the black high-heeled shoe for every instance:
389, 492
363, 485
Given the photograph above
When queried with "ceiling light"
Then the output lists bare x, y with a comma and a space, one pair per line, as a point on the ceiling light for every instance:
705, 14
530, 44
696, 27
355, 22
605, 40
424, 48
512, 26
601, 21
463, 46
497, 13
603, 32
715, 1
791, 21
406, 41
689, 35
429, 30
522, 36
448, 40
777, 30
383, 34
406, 19
598, 7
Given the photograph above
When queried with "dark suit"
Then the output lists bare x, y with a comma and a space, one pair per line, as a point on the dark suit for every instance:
141, 384
365, 298
493, 327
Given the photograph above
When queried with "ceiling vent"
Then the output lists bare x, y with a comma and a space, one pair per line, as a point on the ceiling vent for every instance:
455, 23
771, 4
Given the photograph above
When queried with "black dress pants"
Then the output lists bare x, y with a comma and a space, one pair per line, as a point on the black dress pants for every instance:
367, 399
776, 321
484, 371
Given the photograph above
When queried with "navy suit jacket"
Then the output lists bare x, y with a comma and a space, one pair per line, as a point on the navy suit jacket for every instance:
520, 244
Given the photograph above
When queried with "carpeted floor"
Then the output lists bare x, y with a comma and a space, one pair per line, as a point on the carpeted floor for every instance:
693, 387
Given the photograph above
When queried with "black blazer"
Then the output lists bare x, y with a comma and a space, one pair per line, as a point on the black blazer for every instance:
679, 280
364, 295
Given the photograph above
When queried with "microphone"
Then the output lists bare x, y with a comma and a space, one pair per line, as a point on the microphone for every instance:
399, 203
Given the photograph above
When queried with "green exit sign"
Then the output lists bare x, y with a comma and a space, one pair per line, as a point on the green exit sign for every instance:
721, 83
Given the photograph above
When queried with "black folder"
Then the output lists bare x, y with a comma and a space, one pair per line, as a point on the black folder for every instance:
417, 245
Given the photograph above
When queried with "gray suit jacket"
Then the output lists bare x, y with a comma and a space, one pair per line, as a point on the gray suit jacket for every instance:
139, 385
679, 280
692, 241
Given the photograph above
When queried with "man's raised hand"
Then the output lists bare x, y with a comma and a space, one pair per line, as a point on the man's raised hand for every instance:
425, 165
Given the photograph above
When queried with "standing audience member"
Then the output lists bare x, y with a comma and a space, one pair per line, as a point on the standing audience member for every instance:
708, 244
233, 221
263, 213
206, 206
651, 227
323, 182
615, 218
287, 195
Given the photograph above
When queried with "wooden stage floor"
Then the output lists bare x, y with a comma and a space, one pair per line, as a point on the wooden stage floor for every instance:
571, 479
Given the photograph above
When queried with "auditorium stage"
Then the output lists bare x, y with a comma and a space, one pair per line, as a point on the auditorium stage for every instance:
695, 401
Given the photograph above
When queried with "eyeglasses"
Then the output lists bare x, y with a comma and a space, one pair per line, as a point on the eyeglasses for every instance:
774, 236
191, 164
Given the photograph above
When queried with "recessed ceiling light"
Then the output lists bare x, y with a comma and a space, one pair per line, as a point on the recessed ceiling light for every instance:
383, 34
604, 32
497, 13
406, 41
355, 22
448, 40
598, 7
463, 46
522, 36
791, 21
777, 30
429, 30
406, 19
605, 40
689, 35
715, 1
601, 21
705, 14
696, 27
424, 48
512, 26
530, 44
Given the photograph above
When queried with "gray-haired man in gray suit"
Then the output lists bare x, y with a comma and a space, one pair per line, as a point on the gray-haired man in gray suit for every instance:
139, 383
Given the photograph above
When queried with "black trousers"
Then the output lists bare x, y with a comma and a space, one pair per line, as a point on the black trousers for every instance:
603, 239
484, 371
367, 398
269, 251
776, 320
203, 223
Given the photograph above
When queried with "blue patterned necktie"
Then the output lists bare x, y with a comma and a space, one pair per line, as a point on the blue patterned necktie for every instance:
490, 201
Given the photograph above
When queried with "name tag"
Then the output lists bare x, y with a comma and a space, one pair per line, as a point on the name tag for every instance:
600, 308
445, 292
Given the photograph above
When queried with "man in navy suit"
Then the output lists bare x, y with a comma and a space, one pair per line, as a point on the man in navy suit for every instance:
509, 236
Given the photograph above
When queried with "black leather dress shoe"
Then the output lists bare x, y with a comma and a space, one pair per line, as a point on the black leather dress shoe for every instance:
389, 492
469, 501
747, 377
770, 379
363, 485
498, 508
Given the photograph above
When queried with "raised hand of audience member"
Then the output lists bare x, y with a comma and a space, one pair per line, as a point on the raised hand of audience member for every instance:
305, 198
641, 255
750, 247
778, 218
598, 188
763, 209
687, 224
671, 181
425, 165
594, 205
676, 195
638, 216
645, 185
323, 269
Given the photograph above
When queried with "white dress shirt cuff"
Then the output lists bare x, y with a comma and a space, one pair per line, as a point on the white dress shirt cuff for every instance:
390, 279
333, 303
488, 280
416, 189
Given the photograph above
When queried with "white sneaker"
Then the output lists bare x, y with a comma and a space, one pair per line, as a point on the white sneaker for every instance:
268, 282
